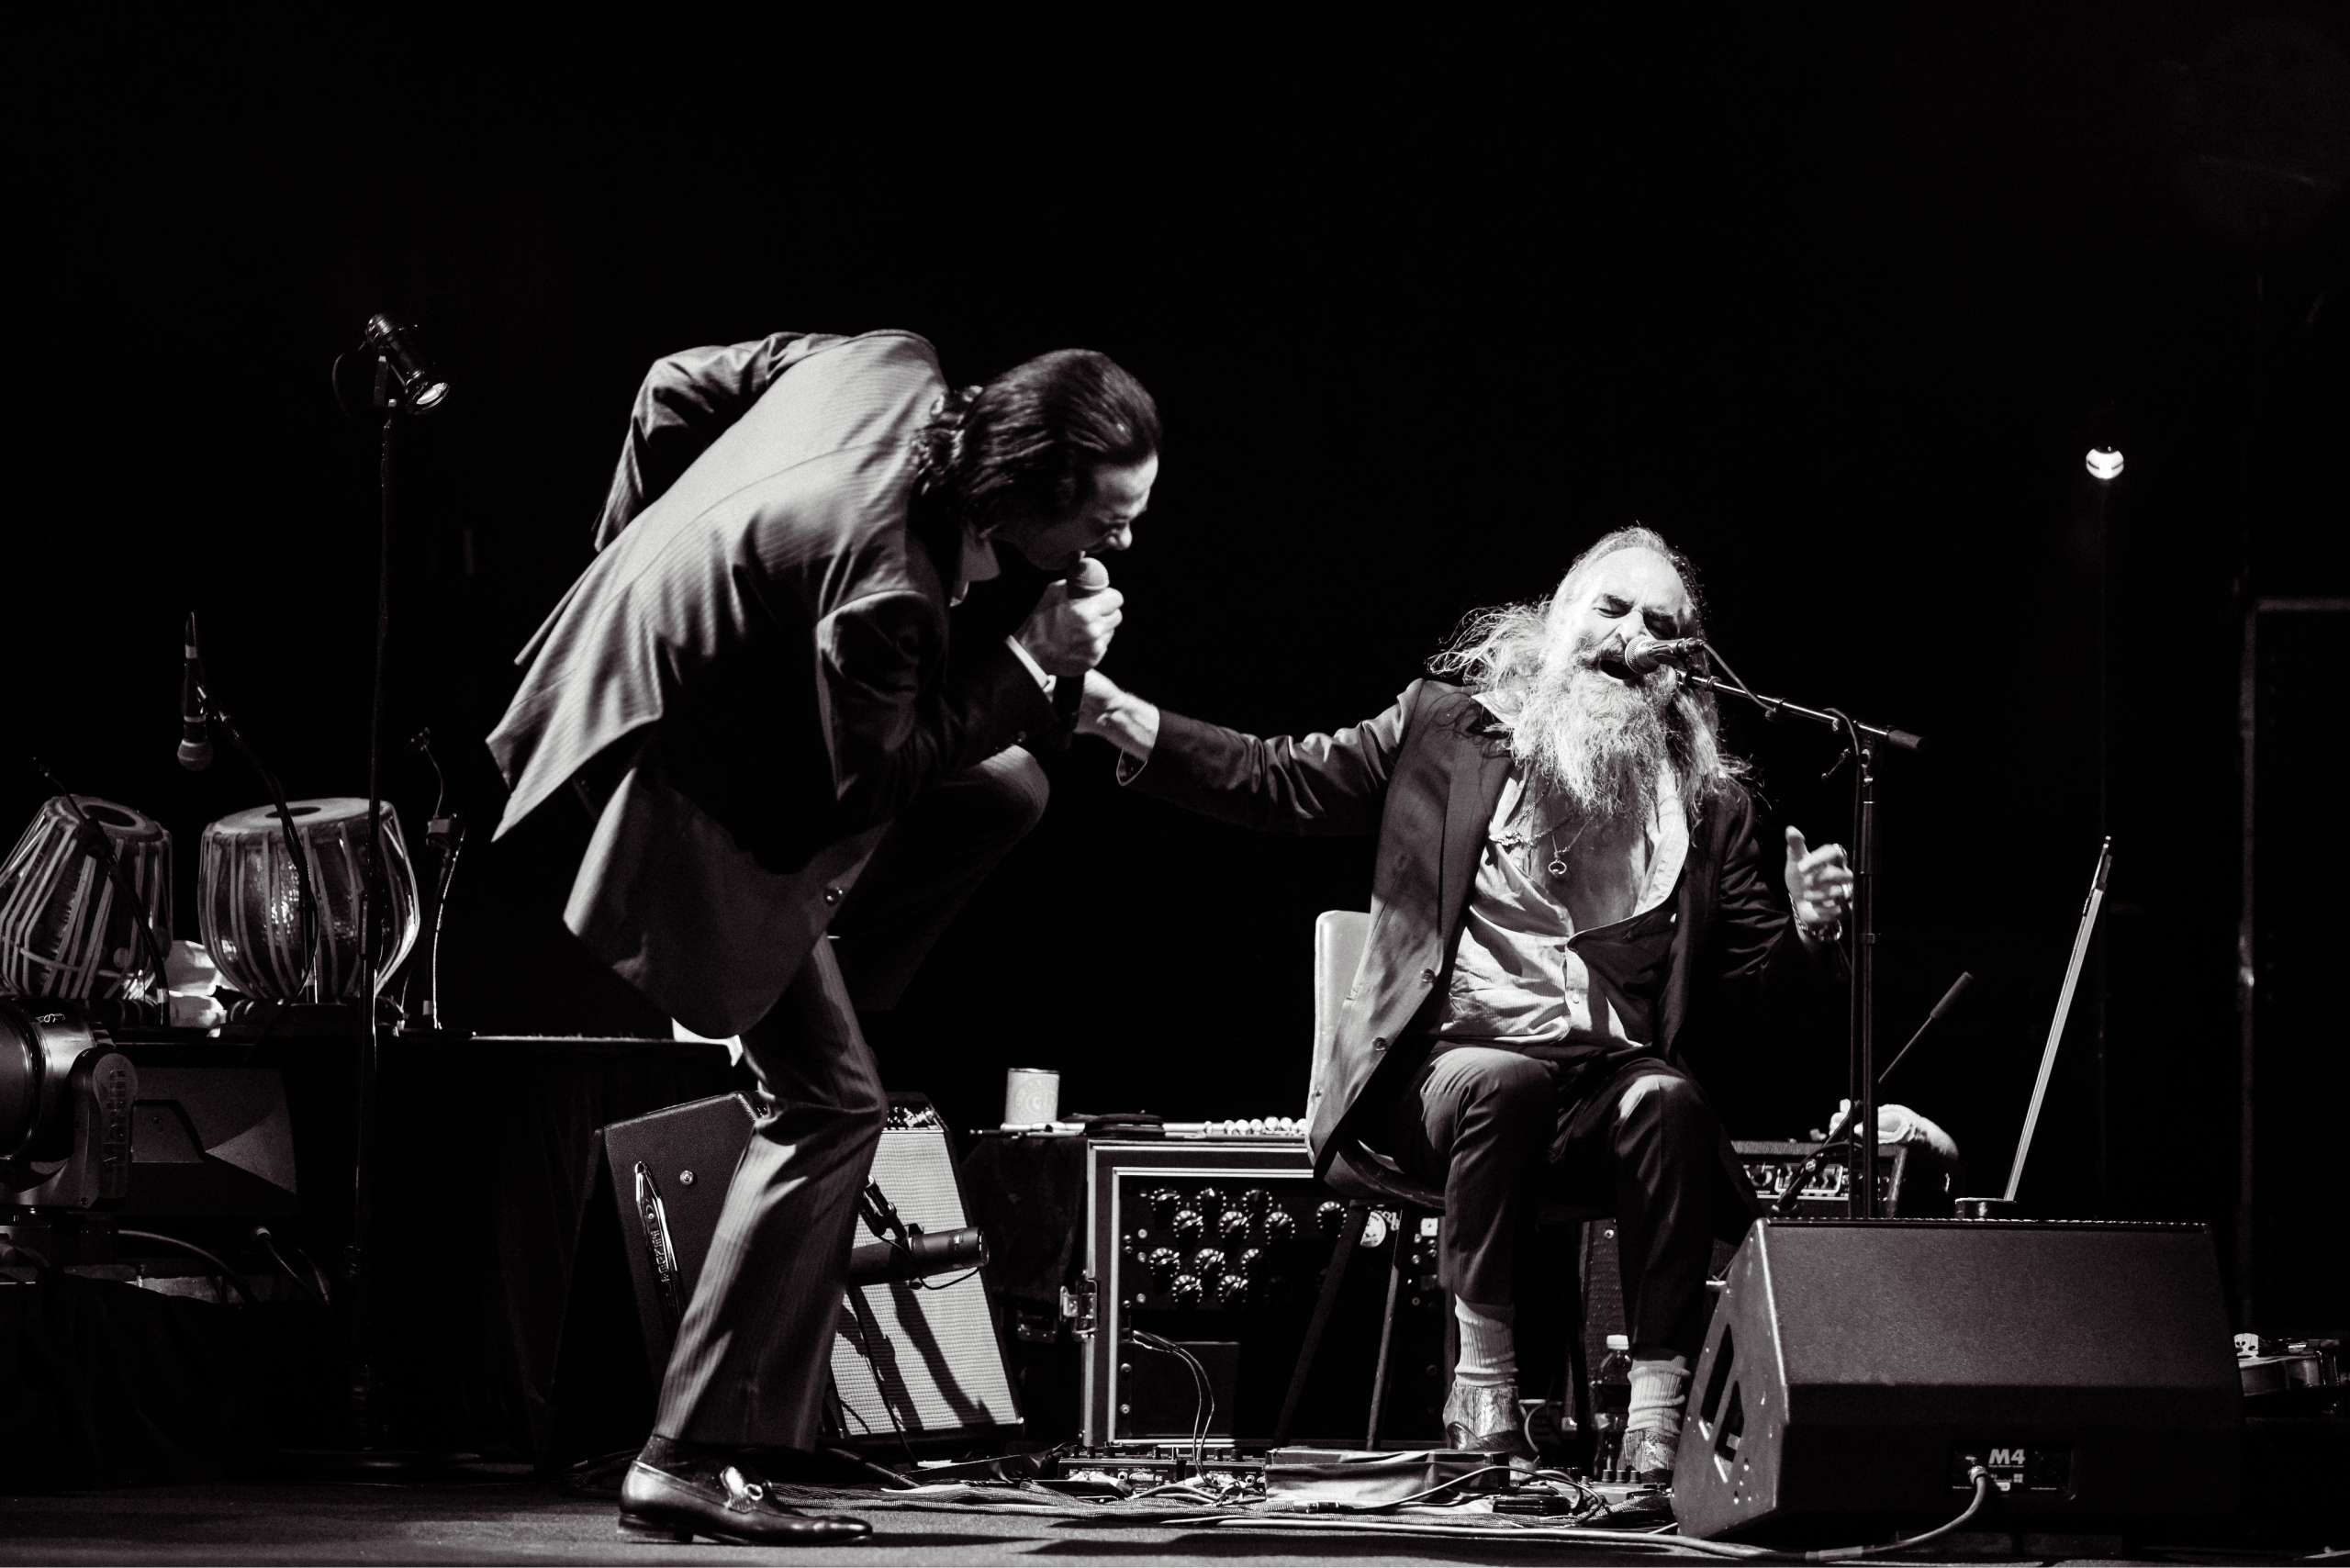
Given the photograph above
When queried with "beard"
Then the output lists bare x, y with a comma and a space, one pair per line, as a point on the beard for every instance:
1592, 745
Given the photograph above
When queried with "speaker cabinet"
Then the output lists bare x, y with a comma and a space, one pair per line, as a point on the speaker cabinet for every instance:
669, 1172
913, 1364
1855, 1369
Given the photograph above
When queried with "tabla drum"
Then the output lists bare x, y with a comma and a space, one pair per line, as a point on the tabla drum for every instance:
63, 929
249, 903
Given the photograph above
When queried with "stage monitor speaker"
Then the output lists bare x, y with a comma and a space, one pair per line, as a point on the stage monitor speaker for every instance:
1855, 1369
669, 1172
915, 1363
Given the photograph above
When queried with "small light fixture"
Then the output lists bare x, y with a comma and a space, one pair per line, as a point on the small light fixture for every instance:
2105, 464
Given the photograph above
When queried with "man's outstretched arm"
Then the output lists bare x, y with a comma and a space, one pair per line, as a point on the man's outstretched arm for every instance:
1321, 784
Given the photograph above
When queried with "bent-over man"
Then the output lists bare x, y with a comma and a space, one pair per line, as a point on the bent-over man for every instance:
753, 692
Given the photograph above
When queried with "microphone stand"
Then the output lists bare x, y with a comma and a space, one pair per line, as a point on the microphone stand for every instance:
1860, 743
310, 920
363, 1393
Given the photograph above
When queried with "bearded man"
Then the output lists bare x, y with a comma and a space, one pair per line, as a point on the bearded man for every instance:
1568, 892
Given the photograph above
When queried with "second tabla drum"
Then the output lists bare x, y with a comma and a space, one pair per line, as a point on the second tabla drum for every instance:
62, 930
249, 901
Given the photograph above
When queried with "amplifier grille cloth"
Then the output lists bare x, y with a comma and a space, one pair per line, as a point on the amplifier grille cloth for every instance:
919, 1360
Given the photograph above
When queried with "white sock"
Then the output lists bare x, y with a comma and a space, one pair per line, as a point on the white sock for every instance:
1488, 1354
1657, 1391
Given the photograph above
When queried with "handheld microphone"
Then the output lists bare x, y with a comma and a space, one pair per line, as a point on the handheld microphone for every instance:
1644, 655
1088, 577
195, 733
424, 390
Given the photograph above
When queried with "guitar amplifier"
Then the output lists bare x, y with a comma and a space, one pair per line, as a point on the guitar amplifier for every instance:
913, 1363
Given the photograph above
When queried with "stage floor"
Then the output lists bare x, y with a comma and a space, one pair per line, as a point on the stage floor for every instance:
528, 1522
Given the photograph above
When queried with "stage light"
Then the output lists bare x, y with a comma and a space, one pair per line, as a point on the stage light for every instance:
2105, 464
424, 390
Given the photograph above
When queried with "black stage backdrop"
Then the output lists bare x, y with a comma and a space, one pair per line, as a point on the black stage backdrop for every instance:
1836, 303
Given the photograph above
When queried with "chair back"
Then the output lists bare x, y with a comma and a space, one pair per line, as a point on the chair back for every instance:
1339, 938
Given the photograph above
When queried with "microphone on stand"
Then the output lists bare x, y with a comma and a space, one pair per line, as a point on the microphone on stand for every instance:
1644, 655
1088, 577
196, 733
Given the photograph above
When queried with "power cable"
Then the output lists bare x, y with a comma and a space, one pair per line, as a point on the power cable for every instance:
1204, 1405
315, 1289
228, 1274
1980, 1475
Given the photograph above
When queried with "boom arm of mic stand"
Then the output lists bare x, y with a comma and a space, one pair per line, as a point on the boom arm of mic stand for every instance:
1774, 706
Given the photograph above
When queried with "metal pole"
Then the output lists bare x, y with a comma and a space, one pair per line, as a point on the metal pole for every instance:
365, 1417
2247, 975
1865, 1200
2098, 988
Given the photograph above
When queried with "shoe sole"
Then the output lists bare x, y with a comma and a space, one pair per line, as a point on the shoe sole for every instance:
638, 1528
649, 1529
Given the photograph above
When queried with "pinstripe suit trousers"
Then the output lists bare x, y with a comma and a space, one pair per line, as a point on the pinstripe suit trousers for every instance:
753, 1355
752, 1367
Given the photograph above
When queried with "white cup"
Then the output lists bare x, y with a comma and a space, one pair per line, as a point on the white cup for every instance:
1031, 1095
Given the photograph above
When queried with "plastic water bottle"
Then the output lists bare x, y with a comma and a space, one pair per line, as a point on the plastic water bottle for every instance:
1611, 1399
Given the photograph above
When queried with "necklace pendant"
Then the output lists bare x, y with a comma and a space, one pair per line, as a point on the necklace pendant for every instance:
1558, 866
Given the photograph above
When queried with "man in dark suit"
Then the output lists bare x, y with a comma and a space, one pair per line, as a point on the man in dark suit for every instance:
1568, 894
753, 694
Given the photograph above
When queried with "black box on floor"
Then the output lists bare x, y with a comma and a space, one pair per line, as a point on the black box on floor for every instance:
1856, 1371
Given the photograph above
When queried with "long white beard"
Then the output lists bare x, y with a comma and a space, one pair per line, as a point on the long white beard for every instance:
1593, 745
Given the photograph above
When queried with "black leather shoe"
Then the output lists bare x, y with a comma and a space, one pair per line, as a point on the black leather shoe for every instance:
725, 1501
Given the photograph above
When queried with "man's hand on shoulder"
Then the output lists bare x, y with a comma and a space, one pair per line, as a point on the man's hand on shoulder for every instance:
1819, 886
1117, 716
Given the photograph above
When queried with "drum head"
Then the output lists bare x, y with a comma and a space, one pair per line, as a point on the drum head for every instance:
306, 813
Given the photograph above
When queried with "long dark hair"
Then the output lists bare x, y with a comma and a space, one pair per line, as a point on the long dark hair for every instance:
1027, 444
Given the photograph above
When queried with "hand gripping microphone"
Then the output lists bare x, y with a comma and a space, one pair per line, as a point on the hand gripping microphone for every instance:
1644, 655
195, 733
1088, 577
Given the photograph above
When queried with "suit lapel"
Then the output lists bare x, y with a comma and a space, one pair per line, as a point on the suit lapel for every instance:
1478, 766
1696, 912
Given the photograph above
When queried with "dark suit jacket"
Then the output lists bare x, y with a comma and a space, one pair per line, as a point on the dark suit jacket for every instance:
755, 671
1425, 775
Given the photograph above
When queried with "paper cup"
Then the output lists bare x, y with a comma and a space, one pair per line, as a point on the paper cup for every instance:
1031, 1095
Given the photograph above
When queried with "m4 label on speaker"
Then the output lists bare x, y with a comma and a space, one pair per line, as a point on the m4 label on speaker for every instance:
2014, 1468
